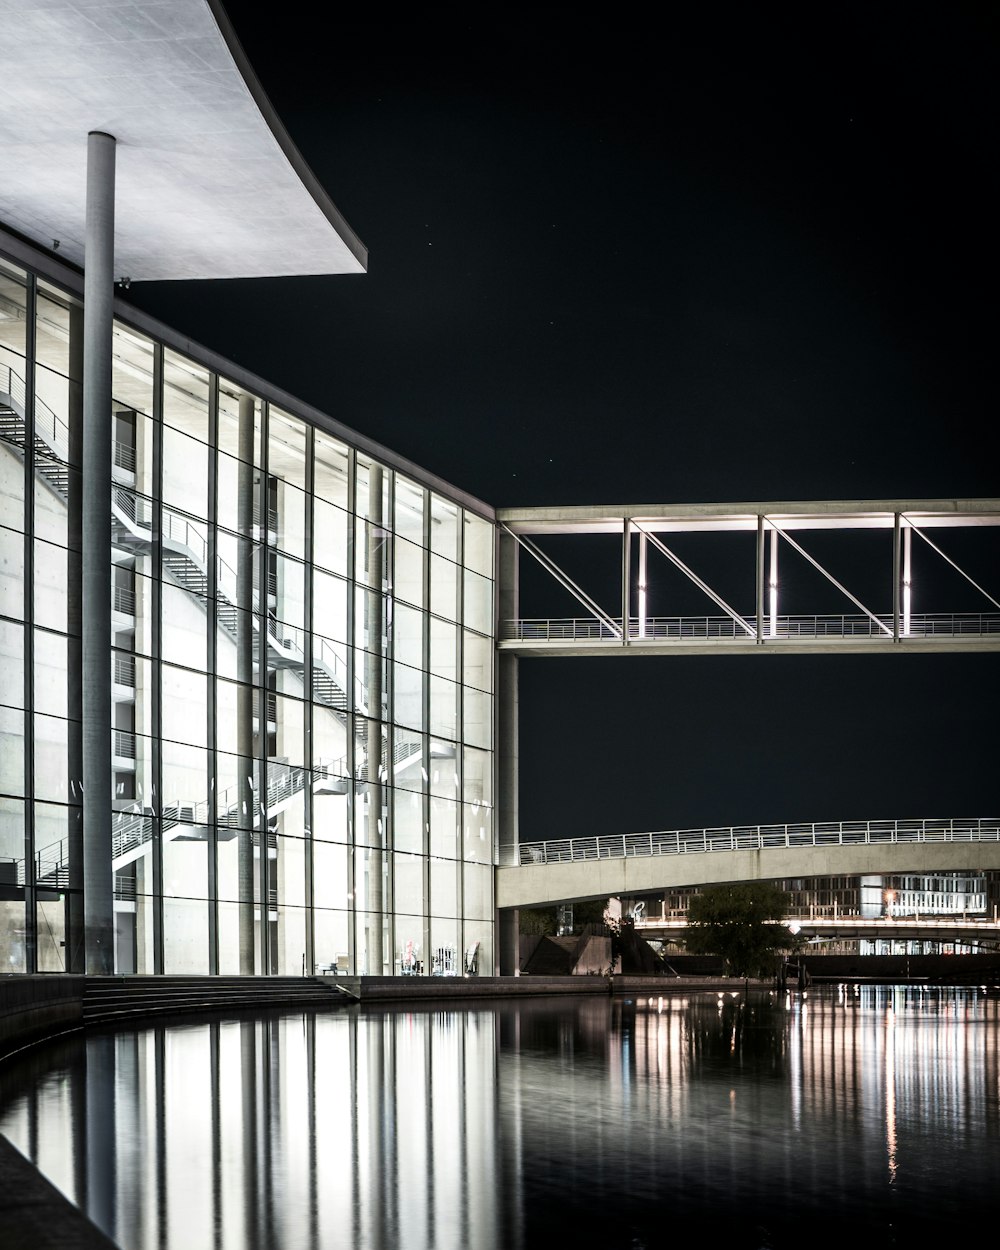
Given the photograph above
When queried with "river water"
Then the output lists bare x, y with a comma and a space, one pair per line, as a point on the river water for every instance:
841, 1117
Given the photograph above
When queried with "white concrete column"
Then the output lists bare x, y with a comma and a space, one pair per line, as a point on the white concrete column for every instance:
246, 802
98, 314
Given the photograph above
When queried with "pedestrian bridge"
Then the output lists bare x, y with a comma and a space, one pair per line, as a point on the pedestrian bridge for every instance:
649, 599
569, 869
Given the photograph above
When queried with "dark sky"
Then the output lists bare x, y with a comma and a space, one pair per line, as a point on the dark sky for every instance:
741, 252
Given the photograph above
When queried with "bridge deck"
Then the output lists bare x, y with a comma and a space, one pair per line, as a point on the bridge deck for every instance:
561, 870
710, 635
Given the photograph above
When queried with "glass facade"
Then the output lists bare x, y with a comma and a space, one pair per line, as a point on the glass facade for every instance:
302, 677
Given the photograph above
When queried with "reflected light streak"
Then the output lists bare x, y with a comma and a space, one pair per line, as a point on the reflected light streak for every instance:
795, 1067
891, 1143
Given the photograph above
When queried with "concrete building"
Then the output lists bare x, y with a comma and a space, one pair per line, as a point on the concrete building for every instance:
253, 666
246, 655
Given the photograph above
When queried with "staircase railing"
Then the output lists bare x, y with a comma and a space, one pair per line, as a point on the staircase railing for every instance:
187, 540
135, 829
189, 544
48, 427
184, 540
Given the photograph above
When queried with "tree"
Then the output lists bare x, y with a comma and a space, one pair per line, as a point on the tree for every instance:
589, 911
538, 920
742, 923
631, 954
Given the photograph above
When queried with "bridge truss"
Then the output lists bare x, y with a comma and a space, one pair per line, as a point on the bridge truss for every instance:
882, 597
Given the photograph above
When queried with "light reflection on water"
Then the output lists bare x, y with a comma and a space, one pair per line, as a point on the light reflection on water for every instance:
771, 1122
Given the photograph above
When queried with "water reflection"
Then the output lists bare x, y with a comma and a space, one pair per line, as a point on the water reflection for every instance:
298, 1130
594, 1121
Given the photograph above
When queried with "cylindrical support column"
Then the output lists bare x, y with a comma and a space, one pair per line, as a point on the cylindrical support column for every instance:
773, 586
98, 314
373, 751
247, 812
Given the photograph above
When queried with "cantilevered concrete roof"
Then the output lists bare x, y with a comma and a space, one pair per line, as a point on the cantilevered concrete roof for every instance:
209, 185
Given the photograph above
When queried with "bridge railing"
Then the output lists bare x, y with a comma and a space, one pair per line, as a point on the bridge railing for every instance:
722, 628
759, 837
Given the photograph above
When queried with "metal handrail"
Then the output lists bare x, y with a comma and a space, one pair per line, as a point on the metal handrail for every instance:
123, 600
124, 456
124, 671
759, 837
182, 537
134, 829
45, 419
188, 541
679, 628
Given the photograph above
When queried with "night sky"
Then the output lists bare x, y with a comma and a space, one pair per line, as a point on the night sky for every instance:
735, 253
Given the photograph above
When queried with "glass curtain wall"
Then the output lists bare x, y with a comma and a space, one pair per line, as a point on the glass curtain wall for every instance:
302, 673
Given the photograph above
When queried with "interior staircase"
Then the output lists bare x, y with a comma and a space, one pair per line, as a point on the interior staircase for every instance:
49, 453
185, 559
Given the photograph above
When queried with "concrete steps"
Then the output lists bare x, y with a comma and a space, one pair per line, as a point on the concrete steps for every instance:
552, 957
111, 999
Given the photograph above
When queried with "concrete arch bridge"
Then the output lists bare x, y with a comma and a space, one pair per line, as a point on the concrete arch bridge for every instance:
571, 869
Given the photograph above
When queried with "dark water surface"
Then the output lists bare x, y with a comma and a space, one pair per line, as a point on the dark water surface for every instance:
842, 1118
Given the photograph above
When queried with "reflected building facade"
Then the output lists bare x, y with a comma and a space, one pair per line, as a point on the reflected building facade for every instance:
302, 671
313, 1130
